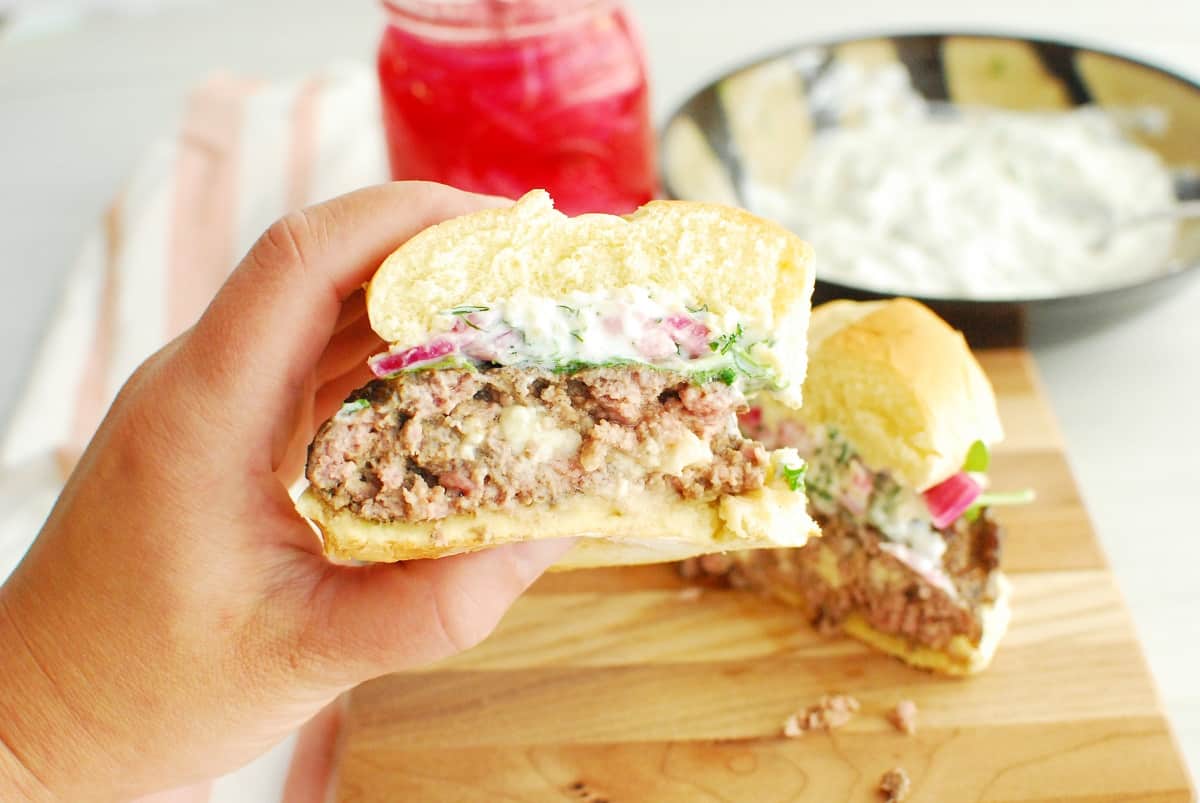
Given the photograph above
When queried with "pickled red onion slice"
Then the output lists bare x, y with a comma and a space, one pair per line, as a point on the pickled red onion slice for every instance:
689, 333
752, 418
384, 365
950, 499
656, 344
858, 489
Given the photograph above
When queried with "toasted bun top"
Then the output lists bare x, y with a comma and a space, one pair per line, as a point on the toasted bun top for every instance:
901, 384
725, 258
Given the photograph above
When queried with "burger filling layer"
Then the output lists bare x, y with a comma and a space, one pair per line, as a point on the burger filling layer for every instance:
626, 326
427, 444
880, 557
851, 571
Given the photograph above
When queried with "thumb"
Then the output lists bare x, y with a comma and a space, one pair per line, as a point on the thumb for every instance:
388, 617
264, 332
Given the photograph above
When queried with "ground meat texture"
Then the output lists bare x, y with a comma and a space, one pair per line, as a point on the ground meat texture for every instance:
831, 711
895, 785
890, 595
443, 442
904, 717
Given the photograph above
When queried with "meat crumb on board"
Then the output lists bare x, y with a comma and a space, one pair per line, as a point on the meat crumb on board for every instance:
831, 711
688, 568
904, 717
895, 785
715, 564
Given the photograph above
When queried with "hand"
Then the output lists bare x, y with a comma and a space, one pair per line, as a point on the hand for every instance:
176, 617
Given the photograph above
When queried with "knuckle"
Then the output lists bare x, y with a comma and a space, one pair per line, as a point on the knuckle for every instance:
429, 191
432, 201
418, 189
288, 240
292, 241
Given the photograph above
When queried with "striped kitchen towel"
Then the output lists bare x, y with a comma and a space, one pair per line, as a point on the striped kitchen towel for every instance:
244, 153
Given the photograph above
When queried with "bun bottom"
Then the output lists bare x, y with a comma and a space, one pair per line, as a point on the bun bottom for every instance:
638, 527
960, 657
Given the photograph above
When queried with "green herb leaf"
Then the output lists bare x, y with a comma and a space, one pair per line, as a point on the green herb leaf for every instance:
449, 361
821, 492
571, 310
466, 309
574, 366
724, 343
695, 310
1023, 497
575, 334
978, 458
746, 365
794, 476
351, 407
726, 375
998, 499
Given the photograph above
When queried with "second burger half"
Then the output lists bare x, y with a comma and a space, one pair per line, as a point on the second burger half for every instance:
896, 426
551, 376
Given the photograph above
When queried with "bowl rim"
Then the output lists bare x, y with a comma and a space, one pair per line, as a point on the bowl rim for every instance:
679, 109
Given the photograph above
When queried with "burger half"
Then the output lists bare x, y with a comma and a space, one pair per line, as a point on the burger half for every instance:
895, 430
551, 376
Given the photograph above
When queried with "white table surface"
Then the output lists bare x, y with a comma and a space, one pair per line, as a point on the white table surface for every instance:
77, 107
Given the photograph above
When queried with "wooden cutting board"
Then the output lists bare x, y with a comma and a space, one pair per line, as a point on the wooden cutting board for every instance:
612, 685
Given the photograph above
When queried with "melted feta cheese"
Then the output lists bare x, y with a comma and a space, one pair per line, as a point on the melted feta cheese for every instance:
688, 450
530, 431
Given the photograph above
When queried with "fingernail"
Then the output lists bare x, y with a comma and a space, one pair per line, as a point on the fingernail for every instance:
537, 556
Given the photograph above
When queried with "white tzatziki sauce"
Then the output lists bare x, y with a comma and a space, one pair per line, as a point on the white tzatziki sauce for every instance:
977, 203
650, 326
838, 483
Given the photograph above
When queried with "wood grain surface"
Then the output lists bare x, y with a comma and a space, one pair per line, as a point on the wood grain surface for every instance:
616, 685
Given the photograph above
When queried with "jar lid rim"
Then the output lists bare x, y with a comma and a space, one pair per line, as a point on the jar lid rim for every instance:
504, 19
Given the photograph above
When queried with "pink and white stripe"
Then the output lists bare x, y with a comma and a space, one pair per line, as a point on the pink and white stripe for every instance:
244, 153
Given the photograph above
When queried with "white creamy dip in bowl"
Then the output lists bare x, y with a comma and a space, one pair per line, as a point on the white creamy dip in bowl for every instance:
978, 173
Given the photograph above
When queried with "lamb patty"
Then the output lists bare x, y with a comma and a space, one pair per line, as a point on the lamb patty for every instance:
892, 596
436, 443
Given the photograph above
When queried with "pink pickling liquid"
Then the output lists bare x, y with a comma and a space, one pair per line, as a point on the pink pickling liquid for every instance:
503, 108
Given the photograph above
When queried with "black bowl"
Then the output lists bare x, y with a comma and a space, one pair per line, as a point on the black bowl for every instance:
745, 123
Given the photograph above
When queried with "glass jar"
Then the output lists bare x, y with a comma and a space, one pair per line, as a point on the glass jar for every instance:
504, 96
